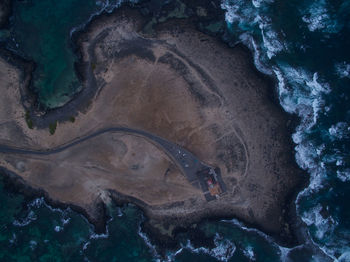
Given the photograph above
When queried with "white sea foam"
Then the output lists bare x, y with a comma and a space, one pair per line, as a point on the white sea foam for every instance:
31, 216
58, 228
119, 212
65, 221
259, 3
270, 38
339, 162
320, 149
149, 244
38, 202
249, 229
344, 175
107, 6
33, 244
343, 69
316, 17
249, 41
340, 130
223, 250
249, 253
345, 257
172, 255
324, 226
283, 251
307, 157
246, 15
13, 239
300, 92
94, 235
325, 251
243, 12
26, 221
305, 95
283, 91
85, 246
232, 11
305, 100
335, 247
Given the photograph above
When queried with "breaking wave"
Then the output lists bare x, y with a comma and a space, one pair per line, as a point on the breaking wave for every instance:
304, 89
32, 210
223, 250
283, 251
317, 17
25, 221
343, 69
249, 253
104, 6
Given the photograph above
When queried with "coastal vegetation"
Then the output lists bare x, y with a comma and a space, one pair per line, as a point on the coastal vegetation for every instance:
52, 127
28, 119
167, 100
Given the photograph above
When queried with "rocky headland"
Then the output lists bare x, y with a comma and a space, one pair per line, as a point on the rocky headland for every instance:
158, 112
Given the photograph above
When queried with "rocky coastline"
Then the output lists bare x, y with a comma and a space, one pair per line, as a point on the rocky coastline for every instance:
82, 102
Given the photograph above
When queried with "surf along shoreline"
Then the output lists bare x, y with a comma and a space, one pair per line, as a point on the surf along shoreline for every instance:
81, 101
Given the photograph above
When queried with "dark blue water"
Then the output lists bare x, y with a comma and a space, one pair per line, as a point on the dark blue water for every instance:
37, 232
304, 44
40, 31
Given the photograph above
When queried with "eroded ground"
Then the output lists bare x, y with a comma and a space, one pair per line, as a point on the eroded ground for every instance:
180, 85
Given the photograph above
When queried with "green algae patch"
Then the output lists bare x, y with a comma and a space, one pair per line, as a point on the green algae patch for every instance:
29, 121
52, 128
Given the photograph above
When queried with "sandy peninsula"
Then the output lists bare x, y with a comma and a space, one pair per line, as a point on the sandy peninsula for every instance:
175, 122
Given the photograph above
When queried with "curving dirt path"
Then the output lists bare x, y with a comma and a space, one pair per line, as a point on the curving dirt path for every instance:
186, 161
155, 110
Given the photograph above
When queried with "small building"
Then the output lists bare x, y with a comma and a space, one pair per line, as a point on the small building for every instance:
214, 187
211, 183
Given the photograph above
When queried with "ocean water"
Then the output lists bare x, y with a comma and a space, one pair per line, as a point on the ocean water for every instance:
40, 31
303, 44
31, 230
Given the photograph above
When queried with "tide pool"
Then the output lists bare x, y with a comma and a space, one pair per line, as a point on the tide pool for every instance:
40, 31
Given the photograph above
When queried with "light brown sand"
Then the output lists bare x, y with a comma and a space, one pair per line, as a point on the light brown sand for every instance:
181, 85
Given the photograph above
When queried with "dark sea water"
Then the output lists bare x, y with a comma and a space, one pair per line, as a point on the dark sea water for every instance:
304, 44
